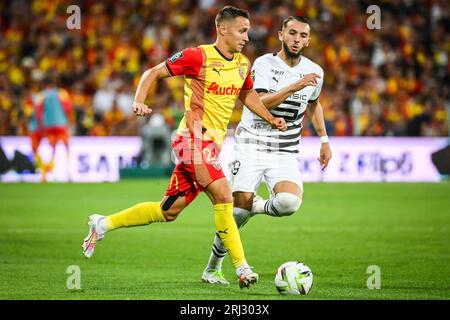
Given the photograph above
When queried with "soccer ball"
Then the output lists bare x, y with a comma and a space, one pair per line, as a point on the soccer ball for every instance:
294, 278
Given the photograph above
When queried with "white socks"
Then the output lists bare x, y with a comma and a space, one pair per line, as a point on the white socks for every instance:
282, 204
218, 253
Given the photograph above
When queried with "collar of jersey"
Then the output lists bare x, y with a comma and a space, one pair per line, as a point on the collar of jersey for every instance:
223, 56
286, 65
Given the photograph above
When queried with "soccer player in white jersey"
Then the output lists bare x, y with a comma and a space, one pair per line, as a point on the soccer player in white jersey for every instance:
289, 85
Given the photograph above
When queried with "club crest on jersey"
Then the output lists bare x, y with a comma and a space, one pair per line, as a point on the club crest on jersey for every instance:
242, 72
175, 57
252, 74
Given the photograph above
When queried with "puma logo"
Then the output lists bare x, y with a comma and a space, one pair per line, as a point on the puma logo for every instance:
217, 70
276, 79
224, 231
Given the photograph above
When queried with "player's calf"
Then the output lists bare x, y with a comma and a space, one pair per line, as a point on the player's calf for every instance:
241, 216
171, 215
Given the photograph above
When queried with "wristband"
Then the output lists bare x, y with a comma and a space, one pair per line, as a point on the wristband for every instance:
324, 139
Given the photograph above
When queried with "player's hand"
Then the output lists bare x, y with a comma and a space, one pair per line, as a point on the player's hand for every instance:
141, 109
278, 123
325, 155
308, 80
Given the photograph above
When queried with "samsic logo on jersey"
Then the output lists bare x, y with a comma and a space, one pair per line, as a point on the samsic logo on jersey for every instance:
214, 88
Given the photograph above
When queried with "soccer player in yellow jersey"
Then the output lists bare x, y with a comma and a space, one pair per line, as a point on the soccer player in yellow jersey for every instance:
215, 77
289, 85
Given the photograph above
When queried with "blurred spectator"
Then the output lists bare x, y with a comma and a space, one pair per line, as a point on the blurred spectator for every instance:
114, 120
104, 98
156, 144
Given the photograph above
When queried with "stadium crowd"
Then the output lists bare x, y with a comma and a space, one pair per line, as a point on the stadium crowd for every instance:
392, 81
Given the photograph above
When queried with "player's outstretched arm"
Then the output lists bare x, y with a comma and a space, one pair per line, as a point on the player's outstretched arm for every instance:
315, 115
251, 99
273, 100
157, 72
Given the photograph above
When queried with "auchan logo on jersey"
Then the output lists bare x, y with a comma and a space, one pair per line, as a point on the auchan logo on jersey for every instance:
214, 88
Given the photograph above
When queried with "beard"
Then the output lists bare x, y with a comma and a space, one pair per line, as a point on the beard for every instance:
289, 53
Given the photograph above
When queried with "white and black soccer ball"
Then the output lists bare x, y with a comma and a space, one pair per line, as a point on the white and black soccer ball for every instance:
294, 278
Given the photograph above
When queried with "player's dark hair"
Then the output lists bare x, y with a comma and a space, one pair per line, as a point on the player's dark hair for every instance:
229, 13
291, 18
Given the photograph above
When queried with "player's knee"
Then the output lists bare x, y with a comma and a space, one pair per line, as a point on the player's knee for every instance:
172, 206
287, 203
223, 198
171, 215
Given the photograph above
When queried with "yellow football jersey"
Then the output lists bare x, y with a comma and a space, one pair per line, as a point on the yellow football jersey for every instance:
212, 85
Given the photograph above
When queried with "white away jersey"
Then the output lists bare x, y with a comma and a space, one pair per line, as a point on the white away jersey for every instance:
270, 74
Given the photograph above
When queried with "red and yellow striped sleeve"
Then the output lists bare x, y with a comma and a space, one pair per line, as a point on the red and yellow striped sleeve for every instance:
248, 82
186, 62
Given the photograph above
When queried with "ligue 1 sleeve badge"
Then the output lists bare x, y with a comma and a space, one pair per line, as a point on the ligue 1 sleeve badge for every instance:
175, 57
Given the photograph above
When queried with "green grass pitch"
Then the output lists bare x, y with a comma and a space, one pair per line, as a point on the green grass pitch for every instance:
340, 230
